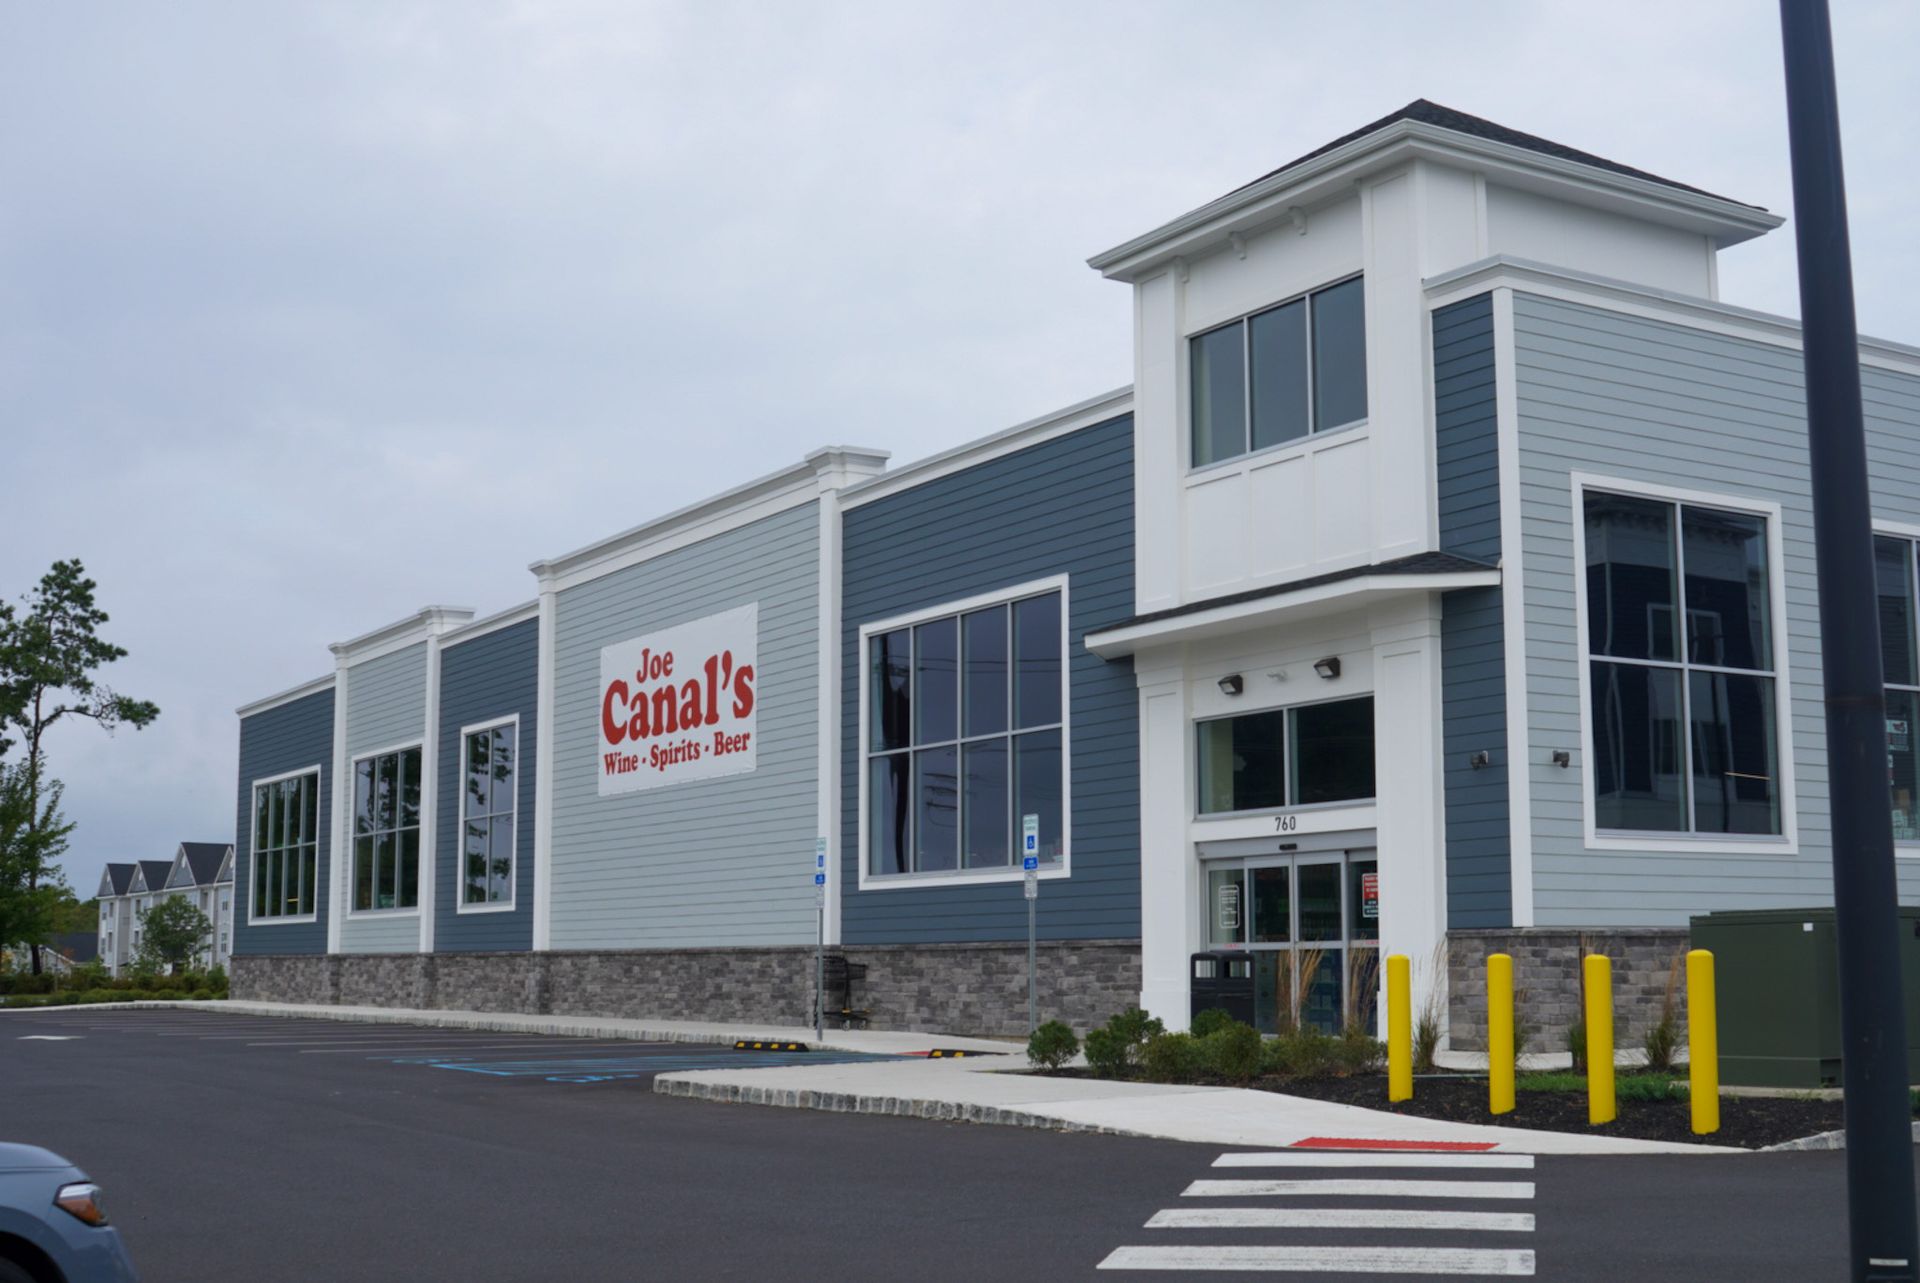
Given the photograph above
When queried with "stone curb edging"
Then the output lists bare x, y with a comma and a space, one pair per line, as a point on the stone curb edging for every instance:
836, 1102
1825, 1140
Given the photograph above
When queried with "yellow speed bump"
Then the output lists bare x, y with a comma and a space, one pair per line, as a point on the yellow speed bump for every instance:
760, 1044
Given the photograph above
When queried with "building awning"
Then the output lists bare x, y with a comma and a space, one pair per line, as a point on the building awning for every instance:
1290, 602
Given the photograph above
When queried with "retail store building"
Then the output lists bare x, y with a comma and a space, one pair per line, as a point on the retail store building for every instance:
1444, 579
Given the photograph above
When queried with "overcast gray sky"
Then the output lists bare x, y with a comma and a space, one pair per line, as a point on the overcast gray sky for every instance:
312, 314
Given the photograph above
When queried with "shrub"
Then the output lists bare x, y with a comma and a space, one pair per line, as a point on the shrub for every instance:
1663, 1039
1232, 1052
217, 979
26, 982
1051, 1046
1358, 1052
1210, 1021
1174, 1058
88, 975
99, 995
1115, 1050
1300, 1053
1577, 1045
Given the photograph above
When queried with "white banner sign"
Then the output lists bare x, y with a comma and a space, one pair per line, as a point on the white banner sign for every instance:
678, 704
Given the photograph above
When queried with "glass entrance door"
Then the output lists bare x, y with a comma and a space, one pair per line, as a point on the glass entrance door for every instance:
1312, 923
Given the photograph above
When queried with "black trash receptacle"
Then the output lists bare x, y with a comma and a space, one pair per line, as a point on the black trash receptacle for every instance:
1223, 979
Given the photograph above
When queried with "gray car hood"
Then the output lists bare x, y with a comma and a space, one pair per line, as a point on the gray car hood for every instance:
30, 1158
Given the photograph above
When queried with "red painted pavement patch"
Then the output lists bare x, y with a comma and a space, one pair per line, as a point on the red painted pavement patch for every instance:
1353, 1142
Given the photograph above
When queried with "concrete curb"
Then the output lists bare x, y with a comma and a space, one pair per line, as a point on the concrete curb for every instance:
1825, 1140
833, 1102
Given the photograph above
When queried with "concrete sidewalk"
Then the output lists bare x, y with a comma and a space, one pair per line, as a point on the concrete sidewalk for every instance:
983, 1091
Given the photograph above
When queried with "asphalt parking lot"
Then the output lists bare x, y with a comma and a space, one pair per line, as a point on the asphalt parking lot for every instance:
261, 1148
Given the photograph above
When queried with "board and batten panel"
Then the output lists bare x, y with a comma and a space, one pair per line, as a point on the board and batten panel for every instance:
1472, 631
492, 676
1061, 507
1654, 401
386, 705
288, 737
721, 861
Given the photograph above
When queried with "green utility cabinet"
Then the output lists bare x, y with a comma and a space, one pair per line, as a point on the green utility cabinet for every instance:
1776, 976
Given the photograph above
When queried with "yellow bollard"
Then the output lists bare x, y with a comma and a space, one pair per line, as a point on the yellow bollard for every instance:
1500, 1033
1599, 977
1399, 1028
1703, 1044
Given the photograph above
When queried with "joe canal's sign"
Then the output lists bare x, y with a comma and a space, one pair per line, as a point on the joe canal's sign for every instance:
678, 704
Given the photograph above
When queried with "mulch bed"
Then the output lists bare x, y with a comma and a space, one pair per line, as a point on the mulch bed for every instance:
1747, 1122
1750, 1122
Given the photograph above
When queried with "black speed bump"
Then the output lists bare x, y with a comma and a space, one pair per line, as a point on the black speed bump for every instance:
951, 1053
755, 1044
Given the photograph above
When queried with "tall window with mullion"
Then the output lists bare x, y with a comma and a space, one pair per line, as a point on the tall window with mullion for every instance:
1900, 664
1279, 375
1684, 705
965, 735
386, 831
286, 849
487, 810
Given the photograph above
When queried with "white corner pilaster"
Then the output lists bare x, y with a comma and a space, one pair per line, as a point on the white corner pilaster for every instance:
827, 734
430, 790
338, 801
1513, 612
543, 778
1169, 875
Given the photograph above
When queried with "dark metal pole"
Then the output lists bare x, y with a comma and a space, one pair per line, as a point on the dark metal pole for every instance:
1866, 894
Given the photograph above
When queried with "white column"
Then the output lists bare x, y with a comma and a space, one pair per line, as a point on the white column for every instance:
1408, 764
429, 871
543, 780
1169, 904
828, 695
340, 874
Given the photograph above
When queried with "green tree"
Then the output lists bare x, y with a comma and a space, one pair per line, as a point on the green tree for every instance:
74, 914
32, 837
49, 654
172, 932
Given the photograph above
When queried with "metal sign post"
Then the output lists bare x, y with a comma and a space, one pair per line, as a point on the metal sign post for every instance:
820, 940
1030, 862
1866, 893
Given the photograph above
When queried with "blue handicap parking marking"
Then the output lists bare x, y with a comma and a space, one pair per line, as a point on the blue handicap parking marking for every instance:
601, 1068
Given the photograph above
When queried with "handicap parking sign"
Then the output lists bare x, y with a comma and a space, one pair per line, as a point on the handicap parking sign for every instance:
1031, 863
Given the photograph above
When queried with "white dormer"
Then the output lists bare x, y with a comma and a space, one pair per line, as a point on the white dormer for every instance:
1282, 352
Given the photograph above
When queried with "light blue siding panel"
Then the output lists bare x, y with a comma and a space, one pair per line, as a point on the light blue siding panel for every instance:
494, 675
722, 861
1062, 507
1642, 400
290, 737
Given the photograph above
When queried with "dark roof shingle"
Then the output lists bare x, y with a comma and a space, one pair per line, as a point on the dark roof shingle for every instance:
120, 877
156, 872
204, 859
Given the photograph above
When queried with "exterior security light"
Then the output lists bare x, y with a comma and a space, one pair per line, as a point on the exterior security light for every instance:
1479, 759
1231, 684
1328, 668
1562, 758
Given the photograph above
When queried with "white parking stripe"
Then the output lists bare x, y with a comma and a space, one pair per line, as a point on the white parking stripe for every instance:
1335, 1218
1366, 1188
1328, 1260
1322, 1158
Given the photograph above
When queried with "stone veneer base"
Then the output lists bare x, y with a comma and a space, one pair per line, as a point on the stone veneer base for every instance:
1546, 982
978, 989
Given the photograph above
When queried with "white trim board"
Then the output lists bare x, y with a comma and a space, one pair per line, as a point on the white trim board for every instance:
288, 696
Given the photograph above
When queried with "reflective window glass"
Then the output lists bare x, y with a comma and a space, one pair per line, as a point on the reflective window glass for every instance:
1038, 789
1735, 789
1333, 751
936, 815
986, 841
1273, 904
1729, 621
1277, 341
983, 645
936, 681
1218, 376
887, 813
1630, 572
1226, 906
1903, 763
1339, 355
1363, 895
1036, 647
1638, 768
1242, 763
1893, 577
889, 689
1319, 888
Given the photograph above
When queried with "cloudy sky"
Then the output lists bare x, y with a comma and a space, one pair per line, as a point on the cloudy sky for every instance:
312, 314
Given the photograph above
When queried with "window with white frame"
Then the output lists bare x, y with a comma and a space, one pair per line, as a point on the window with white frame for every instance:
1894, 560
1682, 671
1307, 755
286, 846
488, 783
1279, 375
386, 831
965, 736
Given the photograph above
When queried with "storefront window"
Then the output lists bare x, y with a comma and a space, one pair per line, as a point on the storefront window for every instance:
965, 737
286, 850
386, 831
1286, 757
487, 805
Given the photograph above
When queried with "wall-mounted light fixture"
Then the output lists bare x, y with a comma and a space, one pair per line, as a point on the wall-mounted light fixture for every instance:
1328, 668
1562, 758
1231, 684
1479, 759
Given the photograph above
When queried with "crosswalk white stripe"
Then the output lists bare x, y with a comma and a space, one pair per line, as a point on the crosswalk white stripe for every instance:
1368, 1188
1328, 1260
1323, 1158
1335, 1218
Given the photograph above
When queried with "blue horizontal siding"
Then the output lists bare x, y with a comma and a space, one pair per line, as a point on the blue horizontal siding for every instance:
1061, 507
495, 675
289, 737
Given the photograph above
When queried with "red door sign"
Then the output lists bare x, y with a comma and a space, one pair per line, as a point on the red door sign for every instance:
1370, 895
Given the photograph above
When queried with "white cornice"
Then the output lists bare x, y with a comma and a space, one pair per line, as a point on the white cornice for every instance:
790, 487
1271, 199
301, 691
1082, 414
1530, 277
491, 623
429, 621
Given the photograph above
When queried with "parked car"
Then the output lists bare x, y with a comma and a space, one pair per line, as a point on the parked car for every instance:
53, 1226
